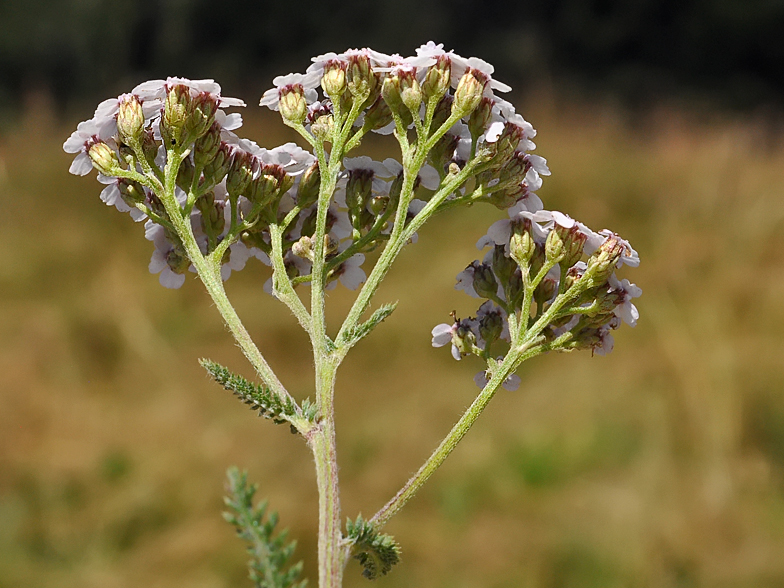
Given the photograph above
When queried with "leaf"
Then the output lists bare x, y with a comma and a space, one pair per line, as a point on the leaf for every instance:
359, 332
257, 396
376, 552
269, 554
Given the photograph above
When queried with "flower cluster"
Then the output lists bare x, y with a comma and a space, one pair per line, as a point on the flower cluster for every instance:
555, 276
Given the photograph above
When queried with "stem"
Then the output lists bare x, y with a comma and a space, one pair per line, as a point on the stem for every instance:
515, 356
210, 277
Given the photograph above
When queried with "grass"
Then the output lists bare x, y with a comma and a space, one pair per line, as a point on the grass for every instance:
661, 465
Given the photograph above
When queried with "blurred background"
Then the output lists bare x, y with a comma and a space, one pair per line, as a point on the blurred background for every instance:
660, 465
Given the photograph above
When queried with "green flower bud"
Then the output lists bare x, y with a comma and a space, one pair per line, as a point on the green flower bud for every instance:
104, 159
602, 263
240, 173
218, 167
186, 174
322, 127
201, 115
176, 109
131, 192
149, 147
206, 147
503, 265
293, 107
390, 92
437, 78
333, 81
378, 115
212, 216
130, 119
479, 119
491, 325
309, 184
358, 189
442, 111
485, 283
361, 79
410, 93
521, 244
469, 92
378, 204
545, 291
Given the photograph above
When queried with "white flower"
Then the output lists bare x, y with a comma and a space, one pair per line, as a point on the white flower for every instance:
443, 334
163, 258
156, 90
111, 197
626, 310
308, 81
79, 142
350, 273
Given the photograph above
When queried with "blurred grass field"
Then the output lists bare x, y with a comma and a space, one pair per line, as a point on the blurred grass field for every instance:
660, 465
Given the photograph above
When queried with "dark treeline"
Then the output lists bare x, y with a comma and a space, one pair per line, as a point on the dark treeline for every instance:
728, 51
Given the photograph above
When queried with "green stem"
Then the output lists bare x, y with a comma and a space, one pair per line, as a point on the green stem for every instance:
513, 358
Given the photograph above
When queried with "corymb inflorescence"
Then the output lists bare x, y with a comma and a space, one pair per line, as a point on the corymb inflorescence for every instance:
168, 155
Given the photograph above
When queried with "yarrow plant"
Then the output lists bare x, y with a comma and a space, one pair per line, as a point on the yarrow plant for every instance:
168, 155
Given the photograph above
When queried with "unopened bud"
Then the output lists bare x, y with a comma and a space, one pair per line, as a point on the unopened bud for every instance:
175, 114
378, 204
361, 80
485, 283
104, 159
206, 147
378, 115
240, 173
442, 111
212, 216
545, 291
309, 184
521, 244
469, 92
410, 92
186, 174
131, 192
477, 122
334, 80
149, 147
303, 248
130, 119
293, 107
602, 263
358, 189
491, 325
322, 127
503, 265
390, 92
437, 78
201, 115
463, 337
218, 167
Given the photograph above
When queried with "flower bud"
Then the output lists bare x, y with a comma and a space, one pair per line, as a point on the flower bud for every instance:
469, 92
303, 248
149, 147
463, 337
293, 107
131, 192
437, 78
410, 93
104, 158
485, 283
361, 79
491, 325
503, 265
479, 119
309, 224
272, 182
602, 263
185, 174
521, 244
130, 119
240, 173
309, 184
218, 167
177, 260
206, 147
442, 111
378, 115
175, 114
212, 217
322, 127
390, 92
201, 114
545, 291
358, 189
333, 81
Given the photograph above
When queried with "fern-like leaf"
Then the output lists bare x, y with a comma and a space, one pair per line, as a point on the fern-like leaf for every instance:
359, 332
269, 554
376, 552
257, 396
